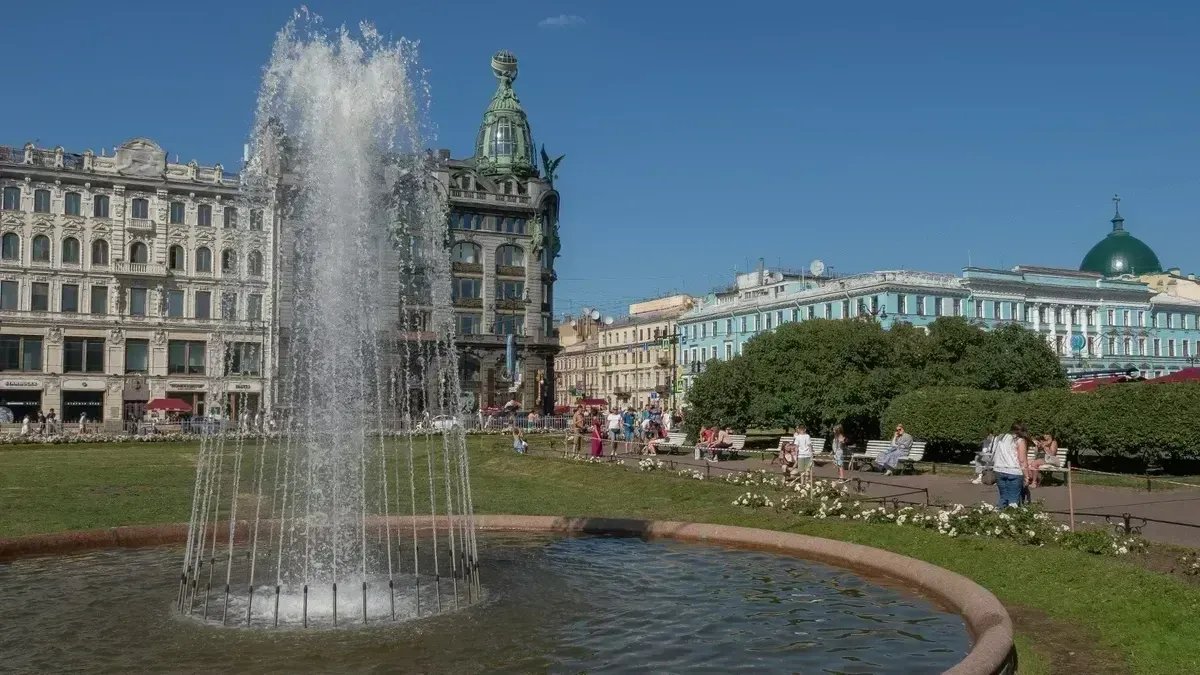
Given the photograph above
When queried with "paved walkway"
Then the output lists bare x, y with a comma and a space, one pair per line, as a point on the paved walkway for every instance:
1180, 505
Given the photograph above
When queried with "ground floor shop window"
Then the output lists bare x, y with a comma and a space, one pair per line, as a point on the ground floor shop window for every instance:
20, 402
78, 403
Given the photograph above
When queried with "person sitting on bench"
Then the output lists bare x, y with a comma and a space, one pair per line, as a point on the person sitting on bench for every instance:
901, 444
723, 441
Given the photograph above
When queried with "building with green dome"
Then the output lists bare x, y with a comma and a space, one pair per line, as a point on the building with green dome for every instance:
503, 238
1120, 253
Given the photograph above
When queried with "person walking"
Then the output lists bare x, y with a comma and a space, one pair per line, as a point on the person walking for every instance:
983, 458
1009, 464
577, 425
839, 450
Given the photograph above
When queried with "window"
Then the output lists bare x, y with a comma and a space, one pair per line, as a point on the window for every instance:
100, 253
979, 309
956, 305
766, 321
229, 217
1157, 347
137, 302
466, 221
1141, 319
729, 326
938, 306
256, 219
510, 225
41, 201
10, 246
1170, 320
228, 261
254, 307
465, 252
39, 297
920, 305
1124, 317
202, 304
83, 355
509, 290
175, 303
12, 199
510, 256
1112, 346
73, 204
204, 215
203, 260
1170, 348
175, 257
185, 357
1112, 317
21, 352
99, 300
100, 206
845, 309
468, 324
9, 295
139, 208
996, 305
70, 251
175, 214
728, 351
254, 264
229, 305
1141, 346
505, 140
466, 288
69, 299
139, 253
812, 312
742, 321
137, 356
41, 248
703, 331
243, 358
902, 304
510, 324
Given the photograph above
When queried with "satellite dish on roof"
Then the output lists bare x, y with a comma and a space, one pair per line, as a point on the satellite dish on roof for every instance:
816, 268
608, 321
595, 315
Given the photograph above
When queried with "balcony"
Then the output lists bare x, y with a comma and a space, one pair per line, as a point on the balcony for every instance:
510, 271
142, 225
468, 302
509, 303
139, 269
466, 267
478, 196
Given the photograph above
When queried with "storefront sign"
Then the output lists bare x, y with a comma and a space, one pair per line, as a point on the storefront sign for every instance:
83, 385
20, 384
186, 386
244, 386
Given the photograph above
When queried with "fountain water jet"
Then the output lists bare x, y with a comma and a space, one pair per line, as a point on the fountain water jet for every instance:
365, 297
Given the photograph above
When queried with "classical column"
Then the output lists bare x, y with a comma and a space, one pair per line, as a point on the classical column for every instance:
1083, 328
1068, 322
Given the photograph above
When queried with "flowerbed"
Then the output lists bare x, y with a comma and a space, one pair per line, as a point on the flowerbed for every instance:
1027, 525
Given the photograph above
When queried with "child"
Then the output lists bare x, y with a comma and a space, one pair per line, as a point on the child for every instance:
519, 443
839, 450
803, 452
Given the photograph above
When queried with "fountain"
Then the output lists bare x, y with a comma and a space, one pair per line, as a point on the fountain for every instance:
301, 528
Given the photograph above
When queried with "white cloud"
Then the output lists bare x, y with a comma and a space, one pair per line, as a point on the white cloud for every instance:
562, 21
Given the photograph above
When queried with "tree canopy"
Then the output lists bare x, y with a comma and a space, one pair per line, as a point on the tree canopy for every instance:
824, 372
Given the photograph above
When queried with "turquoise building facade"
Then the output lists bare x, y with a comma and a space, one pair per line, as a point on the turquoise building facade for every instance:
1093, 319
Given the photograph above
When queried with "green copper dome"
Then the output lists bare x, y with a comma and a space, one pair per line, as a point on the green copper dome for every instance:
1120, 253
504, 144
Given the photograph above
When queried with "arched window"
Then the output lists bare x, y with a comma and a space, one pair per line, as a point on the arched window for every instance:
70, 251
175, 258
204, 260
100, 252
10, 246
254, 264
229, 218
505, 142
510, 256
41, 248
228, 261
138, 253
466, 252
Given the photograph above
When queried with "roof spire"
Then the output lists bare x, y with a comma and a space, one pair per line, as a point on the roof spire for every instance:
1118, 222
504, 144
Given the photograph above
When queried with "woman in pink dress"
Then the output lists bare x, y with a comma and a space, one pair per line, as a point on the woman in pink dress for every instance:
597, 439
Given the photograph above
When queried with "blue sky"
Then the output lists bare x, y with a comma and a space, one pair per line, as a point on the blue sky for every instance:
701, 136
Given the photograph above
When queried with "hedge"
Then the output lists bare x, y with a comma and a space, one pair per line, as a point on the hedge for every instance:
1147, 422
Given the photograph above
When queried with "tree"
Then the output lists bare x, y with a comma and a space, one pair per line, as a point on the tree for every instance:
719, 395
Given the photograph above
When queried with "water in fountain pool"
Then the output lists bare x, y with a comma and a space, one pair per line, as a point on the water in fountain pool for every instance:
551, 604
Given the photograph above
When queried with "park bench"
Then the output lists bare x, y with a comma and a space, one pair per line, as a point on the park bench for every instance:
876, 448
1061, 456
675, 441
737, 442
819, 454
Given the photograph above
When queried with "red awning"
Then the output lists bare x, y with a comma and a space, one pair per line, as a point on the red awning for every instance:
594, 402
169, 405
1186, 375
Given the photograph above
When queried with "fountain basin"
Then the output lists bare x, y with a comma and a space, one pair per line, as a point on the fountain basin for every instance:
987, 623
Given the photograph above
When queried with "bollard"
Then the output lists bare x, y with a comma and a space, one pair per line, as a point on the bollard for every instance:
335, 605
277, 606
249, 604
392, 593
306, 605
364, 590
1126, 518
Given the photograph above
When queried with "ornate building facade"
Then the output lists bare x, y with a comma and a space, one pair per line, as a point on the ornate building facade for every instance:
504, 238
127, 277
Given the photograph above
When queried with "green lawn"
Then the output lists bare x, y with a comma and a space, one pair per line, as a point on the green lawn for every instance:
1144, 621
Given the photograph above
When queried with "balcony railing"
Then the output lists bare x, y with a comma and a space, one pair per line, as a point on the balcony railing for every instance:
510, 271
142, 225
476, 195
140, 269
467, 267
